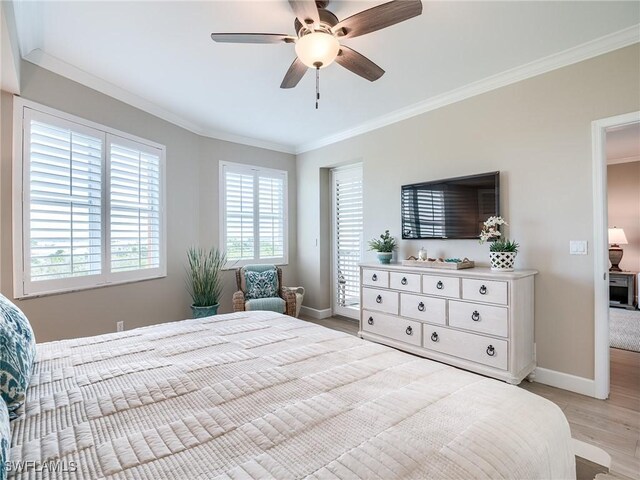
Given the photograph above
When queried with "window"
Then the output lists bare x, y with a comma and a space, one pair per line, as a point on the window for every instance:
91, 204
253, 209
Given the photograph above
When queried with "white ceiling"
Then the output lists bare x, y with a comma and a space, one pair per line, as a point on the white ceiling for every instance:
161, 52
623, 144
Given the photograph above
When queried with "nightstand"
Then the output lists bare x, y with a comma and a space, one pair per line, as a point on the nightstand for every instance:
622, 290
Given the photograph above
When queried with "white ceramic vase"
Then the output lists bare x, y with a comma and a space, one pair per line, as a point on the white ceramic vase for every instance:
502, 261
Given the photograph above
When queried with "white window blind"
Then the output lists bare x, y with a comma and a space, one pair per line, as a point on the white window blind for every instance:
134, 196
65, 197
91, 211
348, 231
253, 206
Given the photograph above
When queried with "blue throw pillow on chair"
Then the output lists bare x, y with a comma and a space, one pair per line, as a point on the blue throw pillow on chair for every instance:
17, 355
261, 284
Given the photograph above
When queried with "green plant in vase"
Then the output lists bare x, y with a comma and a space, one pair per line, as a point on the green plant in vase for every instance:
384, 245
204, 280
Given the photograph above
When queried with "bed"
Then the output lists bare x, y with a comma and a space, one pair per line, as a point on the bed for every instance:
262, 395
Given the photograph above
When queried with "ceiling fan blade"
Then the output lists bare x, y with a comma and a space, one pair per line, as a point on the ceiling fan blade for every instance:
294, 74
305, 10
377, 18
358, 64
252, 38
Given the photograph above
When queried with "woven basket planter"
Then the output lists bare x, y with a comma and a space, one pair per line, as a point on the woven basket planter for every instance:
502, 261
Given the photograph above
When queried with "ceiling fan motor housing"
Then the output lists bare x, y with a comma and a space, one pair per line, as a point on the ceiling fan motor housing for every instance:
327, 20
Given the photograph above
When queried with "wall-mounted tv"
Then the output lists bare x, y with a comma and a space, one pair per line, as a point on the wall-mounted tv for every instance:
452, 208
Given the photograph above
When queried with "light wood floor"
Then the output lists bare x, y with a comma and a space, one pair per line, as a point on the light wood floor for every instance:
613, 424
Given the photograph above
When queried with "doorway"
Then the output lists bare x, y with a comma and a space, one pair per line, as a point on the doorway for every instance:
347, 233
607, 246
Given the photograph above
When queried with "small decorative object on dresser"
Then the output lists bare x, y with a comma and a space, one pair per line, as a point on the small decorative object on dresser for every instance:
502, 251
385, 245
474, 319
204, 280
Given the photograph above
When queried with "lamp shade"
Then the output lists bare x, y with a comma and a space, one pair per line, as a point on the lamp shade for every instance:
317, 49
617, 236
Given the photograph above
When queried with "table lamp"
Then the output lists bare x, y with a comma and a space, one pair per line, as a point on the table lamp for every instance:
616, 238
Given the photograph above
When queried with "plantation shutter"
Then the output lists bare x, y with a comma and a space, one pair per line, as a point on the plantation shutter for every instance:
239, 211
348, 213
271, 227
253, 206
63, 200
87, 207
134, 194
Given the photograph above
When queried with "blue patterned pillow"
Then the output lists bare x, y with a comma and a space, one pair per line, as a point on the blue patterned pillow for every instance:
261, 284
5, 440
17, 354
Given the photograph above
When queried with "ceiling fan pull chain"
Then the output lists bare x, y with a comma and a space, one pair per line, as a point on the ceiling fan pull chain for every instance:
317, 86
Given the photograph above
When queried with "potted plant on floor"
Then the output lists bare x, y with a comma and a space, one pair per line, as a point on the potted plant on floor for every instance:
385, 245
204, 280
502, 251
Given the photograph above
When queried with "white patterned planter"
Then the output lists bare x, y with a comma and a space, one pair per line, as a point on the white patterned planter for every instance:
502, 261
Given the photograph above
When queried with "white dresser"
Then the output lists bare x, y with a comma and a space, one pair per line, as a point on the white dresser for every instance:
474, 319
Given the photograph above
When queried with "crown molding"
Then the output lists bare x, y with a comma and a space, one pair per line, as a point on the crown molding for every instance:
49, 62
617, 161
585, 51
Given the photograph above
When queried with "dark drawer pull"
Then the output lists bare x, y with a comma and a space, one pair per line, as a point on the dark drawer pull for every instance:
409, 331
374, 277
434, 337
370, 321
421, 307
378, 299
404, 281
475, 316
483, 290
439, 285
491, 351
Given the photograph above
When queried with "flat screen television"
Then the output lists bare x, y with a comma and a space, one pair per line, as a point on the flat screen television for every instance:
450, 209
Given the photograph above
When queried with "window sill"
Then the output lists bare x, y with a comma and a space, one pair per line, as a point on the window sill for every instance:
241, 263
88, 287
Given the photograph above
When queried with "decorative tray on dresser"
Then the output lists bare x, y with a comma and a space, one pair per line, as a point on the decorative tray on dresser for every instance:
474, 319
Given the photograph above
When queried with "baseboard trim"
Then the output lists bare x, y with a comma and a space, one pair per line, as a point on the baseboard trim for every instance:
315, 313
566, 381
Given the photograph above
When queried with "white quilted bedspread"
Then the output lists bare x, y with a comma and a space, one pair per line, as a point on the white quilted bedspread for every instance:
261, 395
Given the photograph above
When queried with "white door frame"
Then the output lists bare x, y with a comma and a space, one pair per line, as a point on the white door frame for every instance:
601, 247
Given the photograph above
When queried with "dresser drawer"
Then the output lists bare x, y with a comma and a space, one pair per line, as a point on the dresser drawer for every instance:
376, 278
426, 309
618, 281
488, 291
409, 282
477, 348
441, 286
380, 300
400, 329
479, 318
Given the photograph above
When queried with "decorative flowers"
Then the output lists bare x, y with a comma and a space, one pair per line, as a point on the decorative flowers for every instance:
490, 229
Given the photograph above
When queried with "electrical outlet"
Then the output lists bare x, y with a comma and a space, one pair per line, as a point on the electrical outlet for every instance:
119, 326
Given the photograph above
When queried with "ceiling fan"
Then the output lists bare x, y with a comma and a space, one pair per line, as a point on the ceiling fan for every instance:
319, 34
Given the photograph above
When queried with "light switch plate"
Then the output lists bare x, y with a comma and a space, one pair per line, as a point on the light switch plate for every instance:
578, 247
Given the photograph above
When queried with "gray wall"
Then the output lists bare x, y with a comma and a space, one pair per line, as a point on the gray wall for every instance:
192, 206
538, 134
623, 191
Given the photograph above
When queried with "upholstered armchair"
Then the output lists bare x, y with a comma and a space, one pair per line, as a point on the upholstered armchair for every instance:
260, 288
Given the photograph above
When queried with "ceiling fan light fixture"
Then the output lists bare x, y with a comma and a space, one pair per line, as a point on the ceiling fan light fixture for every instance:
317, 49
